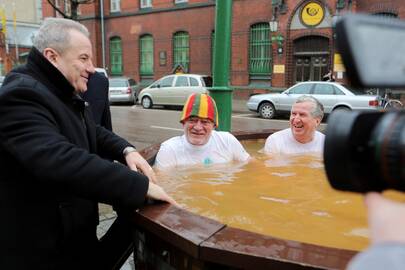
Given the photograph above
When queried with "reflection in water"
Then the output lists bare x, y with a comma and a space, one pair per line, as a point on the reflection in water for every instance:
285, 197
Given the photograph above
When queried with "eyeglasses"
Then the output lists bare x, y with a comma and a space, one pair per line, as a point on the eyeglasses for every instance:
203, 121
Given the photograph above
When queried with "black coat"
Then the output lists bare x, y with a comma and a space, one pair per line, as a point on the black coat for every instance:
51, 172
97, 96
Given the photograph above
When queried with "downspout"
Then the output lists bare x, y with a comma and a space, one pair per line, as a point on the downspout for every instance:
102, 33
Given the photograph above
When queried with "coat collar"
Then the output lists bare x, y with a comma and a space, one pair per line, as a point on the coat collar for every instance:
48, 74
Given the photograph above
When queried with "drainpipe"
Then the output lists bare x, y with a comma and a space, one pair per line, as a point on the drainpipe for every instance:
220, 91
102, 33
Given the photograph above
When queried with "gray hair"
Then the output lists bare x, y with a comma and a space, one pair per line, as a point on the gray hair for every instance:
54, 33
317, 110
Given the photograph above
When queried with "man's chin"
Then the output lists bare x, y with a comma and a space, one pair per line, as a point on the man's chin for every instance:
197, 141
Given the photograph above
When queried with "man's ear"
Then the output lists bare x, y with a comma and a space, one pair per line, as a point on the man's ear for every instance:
51, 55
318, 121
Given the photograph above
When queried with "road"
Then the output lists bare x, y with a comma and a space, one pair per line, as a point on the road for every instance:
144, 127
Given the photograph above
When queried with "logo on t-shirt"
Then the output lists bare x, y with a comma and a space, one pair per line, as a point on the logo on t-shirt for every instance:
207, 161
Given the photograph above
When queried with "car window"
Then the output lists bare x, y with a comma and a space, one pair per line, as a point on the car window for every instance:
181, 81
301, 89
118, 83
323, 89
207, 81
166, 82
357, 92
338, 91
193, 81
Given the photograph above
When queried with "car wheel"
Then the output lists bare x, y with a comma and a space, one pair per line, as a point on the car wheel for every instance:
267, 111
147, 102
342, 108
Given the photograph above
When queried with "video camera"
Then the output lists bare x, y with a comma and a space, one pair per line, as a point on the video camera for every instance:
365, 151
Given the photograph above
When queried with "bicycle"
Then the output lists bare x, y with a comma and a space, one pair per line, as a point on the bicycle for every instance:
389, 103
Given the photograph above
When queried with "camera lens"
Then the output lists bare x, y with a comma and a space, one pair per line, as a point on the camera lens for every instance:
365, 151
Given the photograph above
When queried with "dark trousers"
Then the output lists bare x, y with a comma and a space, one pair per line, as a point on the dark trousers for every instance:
116, 245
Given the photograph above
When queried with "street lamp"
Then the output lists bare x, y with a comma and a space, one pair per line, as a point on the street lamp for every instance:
278, 38
273, 26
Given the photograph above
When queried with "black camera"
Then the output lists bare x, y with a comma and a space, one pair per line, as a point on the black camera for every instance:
365, 151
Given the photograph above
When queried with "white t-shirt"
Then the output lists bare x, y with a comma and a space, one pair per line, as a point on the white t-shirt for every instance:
222, 147
283, 142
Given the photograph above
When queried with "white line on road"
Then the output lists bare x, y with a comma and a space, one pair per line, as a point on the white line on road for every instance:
242, 115
177, 129
247, 116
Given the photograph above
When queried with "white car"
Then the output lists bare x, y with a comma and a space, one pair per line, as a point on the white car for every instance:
173, 90
332, 95
122, 89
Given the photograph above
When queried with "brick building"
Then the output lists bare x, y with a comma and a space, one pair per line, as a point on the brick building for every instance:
19, 21
275, 43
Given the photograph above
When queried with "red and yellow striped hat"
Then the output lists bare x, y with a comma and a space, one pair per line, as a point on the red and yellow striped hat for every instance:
200, 105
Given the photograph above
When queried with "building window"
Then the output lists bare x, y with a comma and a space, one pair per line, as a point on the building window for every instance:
146, 55
180, 1
116, 56
260, 50
181, 50
115, 6
146, 3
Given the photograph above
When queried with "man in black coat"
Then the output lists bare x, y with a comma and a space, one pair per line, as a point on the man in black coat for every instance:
97, 96
53, 167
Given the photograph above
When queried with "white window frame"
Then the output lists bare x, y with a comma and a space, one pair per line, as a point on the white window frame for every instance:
115, 5
180, 1
146, 3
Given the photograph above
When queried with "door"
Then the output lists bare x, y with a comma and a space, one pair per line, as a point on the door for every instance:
325, 93
311, 58
288, 97
162, 90
310, 68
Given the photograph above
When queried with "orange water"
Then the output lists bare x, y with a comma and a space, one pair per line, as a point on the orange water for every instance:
285, 197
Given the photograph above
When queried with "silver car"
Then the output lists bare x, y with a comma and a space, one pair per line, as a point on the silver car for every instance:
173, 89
122, 89
332, 95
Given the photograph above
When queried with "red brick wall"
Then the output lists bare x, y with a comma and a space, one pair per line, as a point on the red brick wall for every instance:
199, 23
162, 26
374, 6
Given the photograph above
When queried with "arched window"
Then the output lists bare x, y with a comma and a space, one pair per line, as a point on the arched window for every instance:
260, 60
146, 55
181, 50
116, 56
386, 14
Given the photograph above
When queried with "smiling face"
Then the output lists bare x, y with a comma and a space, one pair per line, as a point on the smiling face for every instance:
302, 123
198, 130
75, 61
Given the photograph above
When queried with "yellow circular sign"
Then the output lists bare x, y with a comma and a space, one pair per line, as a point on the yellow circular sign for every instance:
312, 14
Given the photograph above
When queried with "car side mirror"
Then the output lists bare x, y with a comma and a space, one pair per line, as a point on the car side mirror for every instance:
158, 85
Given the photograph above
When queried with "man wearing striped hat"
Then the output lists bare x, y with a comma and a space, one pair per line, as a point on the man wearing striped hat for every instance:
200, 143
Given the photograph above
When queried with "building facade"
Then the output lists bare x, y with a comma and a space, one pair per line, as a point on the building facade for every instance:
19, 22
274, 44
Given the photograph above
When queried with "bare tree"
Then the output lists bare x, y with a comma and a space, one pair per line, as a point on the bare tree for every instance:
59, 6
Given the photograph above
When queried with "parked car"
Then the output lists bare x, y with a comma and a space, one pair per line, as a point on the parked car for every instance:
101, 70
332, 95
122, 89
173, 89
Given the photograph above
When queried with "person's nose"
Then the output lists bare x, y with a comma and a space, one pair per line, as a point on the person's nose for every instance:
198, 125
90, 68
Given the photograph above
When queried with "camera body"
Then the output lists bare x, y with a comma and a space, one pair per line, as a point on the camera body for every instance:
366, 151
